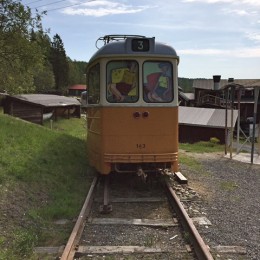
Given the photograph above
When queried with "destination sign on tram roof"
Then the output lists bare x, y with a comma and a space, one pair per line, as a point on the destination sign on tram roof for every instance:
140, 45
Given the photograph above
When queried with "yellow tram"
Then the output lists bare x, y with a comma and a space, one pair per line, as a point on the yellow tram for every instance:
132, 113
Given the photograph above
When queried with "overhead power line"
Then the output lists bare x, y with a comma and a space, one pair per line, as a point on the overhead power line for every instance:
33, 2
58, 8
51, 3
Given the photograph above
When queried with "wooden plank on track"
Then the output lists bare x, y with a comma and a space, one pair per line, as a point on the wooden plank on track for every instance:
118, 249
180, 178
151, 199
138, 222
49, 250
134, 200
230, 249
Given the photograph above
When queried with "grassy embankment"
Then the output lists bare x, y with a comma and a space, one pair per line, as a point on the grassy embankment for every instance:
43, 178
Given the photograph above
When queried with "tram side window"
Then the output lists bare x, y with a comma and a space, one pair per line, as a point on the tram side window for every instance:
122, 81
157, 82
94, 84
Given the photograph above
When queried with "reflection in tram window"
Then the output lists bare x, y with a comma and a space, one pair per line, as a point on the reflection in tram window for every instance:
94, 84
122, 81
158, 82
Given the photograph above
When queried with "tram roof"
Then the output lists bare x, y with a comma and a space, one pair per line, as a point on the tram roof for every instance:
121, 47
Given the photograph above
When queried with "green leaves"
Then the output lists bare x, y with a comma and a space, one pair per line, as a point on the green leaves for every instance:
29, 61
19, 56
59, 63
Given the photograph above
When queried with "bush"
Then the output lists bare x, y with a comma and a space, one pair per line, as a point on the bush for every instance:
214, 140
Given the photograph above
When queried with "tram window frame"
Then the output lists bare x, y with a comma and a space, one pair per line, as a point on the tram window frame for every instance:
155, 72
93, 83
118, 91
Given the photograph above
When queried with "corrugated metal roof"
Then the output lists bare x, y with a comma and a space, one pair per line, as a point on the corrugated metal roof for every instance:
209, 84
248, 82
187, 96
205, 117
48, 100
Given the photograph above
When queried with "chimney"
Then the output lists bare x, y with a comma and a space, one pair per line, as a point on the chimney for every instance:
216, 79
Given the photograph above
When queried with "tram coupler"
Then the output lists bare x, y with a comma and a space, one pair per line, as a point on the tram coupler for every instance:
165, 172
141, 173
106, 207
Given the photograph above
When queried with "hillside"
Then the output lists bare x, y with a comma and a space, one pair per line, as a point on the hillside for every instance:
43, 178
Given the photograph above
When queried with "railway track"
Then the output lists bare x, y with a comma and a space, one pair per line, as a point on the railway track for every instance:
144, 223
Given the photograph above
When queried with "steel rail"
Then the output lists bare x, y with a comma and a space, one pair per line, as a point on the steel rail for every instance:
70, 248
200, 248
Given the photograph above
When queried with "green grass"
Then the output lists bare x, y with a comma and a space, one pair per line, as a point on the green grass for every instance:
199, 147
228, 186
43, 177
190, 161
202, 147
73, 126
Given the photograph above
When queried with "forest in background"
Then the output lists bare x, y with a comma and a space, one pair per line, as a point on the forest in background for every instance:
32, 62
186, 84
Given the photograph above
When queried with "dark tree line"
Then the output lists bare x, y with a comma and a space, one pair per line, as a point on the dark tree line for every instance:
186, 84
30, 62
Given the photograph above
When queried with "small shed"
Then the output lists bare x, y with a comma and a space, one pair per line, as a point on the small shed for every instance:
186, 99
36, 107
76, 90
201, 124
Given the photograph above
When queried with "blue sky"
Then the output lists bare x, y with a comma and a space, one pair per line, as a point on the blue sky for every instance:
212, 37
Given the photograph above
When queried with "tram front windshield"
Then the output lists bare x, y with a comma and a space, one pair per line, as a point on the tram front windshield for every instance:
123, 84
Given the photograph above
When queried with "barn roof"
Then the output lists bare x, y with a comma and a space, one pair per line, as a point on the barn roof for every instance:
47, 100
187, 96
209, 84
78, 87
205, 117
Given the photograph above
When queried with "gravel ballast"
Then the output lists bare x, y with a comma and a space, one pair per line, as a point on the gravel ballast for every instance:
230, 198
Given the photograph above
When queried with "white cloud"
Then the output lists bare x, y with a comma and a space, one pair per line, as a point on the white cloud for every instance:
254, 36
239, 12
248, 2
235, 53
102, 8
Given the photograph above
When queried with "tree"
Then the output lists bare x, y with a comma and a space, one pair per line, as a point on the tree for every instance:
77, 72
59, 63
44, 80
186, 85
19, 56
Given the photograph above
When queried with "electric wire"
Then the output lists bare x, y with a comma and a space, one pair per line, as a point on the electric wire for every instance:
58, 8
33, 2
50, 3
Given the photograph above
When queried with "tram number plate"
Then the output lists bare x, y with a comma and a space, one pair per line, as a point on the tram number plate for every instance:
140, 146
140, 45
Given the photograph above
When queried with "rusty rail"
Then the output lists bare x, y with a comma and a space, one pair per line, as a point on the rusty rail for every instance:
70, 248
200, 248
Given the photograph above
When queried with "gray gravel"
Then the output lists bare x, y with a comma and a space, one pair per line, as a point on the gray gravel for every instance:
230, 192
